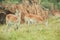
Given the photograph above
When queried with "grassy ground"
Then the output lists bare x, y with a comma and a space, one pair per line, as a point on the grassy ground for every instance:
33, 32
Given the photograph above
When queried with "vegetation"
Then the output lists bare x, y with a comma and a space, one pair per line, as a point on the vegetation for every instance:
33, 32
45, 3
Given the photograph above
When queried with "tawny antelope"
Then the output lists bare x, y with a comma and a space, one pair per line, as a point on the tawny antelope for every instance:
31, 18
13, 19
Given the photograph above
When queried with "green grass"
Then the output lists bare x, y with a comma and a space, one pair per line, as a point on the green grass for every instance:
33, 32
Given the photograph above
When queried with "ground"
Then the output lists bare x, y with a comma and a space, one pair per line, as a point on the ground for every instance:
33, 32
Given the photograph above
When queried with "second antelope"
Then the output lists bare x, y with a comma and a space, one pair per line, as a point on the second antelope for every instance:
31, 18
12, 19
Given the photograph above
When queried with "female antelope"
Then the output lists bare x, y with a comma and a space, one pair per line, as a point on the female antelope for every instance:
31, 18
13, 20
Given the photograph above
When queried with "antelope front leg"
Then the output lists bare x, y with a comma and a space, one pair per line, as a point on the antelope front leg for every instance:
8, 26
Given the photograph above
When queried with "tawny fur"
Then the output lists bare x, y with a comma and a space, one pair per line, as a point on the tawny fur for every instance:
33, 18
11, 17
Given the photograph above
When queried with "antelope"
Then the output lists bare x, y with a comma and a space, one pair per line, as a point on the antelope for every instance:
31, 18
56, 12
12, 19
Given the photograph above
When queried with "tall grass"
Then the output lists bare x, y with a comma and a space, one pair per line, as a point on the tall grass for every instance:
33, 32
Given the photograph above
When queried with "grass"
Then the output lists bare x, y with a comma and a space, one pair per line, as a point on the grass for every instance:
33, 32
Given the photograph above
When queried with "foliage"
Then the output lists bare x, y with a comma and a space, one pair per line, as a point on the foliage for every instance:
48, 2
45, 3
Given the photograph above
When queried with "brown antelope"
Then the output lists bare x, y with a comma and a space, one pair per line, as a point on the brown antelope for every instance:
56, 12
31, 18
13, 19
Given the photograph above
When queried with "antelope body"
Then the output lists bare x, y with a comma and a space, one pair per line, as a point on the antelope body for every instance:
13, 20
33, 19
